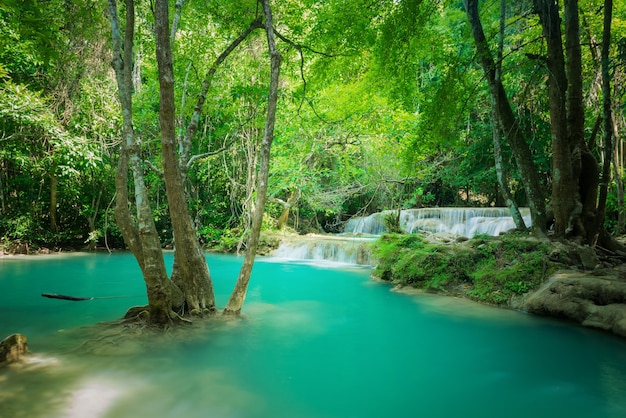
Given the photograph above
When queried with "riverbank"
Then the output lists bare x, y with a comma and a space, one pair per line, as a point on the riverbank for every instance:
513, 271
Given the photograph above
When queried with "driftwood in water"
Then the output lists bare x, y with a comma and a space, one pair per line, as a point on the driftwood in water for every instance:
12, 348
65, 297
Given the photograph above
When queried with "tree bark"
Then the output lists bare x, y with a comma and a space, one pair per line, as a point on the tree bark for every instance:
292, 200
575, 171
586, 163
608, 121
619, 183
510, 127
141, 237
503, 183
566, 203
54, 182
3, 207
238, 295
192, 275
501, 175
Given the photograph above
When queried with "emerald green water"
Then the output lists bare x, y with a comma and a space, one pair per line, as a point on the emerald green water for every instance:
316, 341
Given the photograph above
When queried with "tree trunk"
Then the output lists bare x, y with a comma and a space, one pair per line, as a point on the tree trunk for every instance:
141, 237
3, 207
508, 123
501, 175
292, 200
608, 122
586, 163
91, 219
54, 182
566, 202
619, 183
192, 275
238, 295
575, 171
503, 183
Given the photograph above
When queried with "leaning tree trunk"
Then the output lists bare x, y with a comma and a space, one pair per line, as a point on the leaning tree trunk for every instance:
503, 183
238, 295
501, 175
510, 126
141, 237
193, 275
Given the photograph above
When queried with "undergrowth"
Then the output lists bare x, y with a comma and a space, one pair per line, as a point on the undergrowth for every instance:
487, 269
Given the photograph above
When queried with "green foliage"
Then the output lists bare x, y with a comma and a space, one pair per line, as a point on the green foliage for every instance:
382, 106
488, 269
392, 222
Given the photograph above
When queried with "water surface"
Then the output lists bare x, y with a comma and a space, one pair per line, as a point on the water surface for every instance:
316, 341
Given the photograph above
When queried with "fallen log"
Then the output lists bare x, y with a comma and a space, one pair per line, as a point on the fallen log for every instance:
64, 297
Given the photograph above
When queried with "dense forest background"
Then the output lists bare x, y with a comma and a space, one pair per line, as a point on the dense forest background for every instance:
382, 105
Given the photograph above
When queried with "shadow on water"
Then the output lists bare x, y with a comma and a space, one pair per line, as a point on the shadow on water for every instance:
314, 342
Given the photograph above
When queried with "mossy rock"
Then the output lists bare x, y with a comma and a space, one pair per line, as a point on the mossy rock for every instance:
12, 348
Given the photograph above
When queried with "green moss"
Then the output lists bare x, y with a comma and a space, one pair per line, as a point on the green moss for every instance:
487, 269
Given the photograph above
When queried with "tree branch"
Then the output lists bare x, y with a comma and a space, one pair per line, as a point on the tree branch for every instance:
178, 7
192, 128
223, 148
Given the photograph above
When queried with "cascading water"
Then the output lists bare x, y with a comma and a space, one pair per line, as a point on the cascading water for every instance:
340, 249
349, 249
467, 222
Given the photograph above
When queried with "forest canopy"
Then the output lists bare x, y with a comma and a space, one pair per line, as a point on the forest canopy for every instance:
381, 105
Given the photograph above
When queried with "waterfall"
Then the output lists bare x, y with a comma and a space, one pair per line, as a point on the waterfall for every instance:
340, 249
459, 221
348, 249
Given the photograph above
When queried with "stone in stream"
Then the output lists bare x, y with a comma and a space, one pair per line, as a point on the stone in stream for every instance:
12, 348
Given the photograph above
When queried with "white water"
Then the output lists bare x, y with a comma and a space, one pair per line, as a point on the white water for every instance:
338, 249
348, 249
467, 222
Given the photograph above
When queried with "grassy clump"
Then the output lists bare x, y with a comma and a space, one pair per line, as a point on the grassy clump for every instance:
487, 269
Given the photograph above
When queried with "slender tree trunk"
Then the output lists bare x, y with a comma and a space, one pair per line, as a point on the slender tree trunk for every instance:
292, 200
503, 180
503, 183
250, 143
141, 237
510, 127
192, 275
619, 183
54, 182
3, 207
608, 121
238, 295
91, 219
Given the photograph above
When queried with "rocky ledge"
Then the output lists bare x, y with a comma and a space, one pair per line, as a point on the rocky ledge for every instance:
594, 299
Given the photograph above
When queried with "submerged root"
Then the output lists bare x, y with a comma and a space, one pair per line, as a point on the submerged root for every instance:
177, 318
137, 313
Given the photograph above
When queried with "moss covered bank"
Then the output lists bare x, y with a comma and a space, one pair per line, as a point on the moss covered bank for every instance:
515, 271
